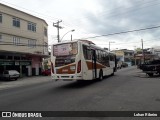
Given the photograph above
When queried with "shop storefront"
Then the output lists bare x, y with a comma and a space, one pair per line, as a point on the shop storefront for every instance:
25, 64
20, 66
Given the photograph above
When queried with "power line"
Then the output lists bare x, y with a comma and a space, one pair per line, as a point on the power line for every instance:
123, 32
127, 10
119, 43
117, 10
111, 13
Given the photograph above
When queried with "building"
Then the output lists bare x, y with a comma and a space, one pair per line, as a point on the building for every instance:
156, 51
125, 56
23, 41
46, 63
145, 55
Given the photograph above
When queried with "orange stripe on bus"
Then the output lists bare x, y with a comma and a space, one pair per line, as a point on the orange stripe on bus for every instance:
67, 69
90, 65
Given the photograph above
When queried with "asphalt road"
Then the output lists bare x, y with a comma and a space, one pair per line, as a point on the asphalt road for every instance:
127, 90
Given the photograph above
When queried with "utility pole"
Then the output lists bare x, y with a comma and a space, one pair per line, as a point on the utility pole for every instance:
71, 37
143, 51
58, 27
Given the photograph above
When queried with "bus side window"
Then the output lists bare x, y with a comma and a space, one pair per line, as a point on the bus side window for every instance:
97, 54
103, 58
92, 54
100, 55
86, 52
107, 59
111, 58
89, 53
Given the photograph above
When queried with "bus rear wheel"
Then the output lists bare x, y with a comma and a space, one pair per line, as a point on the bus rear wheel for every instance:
150, 74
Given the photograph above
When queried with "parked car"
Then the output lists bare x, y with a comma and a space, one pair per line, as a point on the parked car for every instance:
119, 64
11, 74
124, 65
151, 68
46, 72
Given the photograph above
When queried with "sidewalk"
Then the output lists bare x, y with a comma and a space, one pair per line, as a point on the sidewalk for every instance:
140, 73
24, 81
137, 72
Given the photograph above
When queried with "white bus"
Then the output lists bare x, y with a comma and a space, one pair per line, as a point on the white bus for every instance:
81, 60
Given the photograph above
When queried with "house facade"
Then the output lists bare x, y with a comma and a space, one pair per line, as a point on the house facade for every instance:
156, 51
125, 56
23, 41
148, 54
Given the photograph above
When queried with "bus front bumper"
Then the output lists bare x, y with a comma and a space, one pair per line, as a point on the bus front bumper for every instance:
66, 77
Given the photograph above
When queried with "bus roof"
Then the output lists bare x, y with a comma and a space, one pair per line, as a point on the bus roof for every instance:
78, 40
85, 42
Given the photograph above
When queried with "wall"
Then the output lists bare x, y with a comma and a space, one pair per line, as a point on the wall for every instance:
8, 30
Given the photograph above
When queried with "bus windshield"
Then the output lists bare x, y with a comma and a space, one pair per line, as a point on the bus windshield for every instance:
65, 49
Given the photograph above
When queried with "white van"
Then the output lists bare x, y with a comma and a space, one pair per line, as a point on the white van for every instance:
11, 74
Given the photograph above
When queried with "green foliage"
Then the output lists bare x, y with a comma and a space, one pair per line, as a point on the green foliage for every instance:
138, 50
45, 66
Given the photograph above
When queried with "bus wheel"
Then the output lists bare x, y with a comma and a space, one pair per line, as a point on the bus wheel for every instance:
150, 74
101, 75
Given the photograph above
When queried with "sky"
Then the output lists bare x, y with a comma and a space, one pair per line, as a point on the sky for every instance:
90, 18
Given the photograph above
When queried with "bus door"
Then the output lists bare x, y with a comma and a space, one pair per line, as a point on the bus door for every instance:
94, 67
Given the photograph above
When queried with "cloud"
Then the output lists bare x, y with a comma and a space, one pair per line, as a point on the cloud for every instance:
123, 17
100, 17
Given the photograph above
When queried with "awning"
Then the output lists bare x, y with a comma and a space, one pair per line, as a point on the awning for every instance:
23, 53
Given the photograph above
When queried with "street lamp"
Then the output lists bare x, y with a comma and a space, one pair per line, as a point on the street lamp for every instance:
68, 32
109, 45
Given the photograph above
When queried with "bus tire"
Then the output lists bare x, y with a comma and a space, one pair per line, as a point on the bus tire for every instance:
150, 74
101, 74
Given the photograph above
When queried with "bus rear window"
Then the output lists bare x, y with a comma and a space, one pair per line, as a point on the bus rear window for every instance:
65, 49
